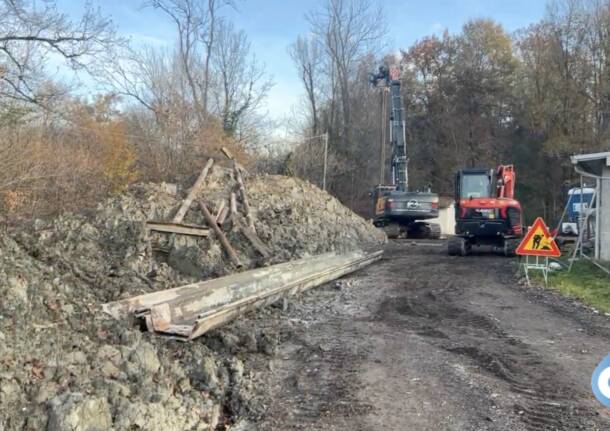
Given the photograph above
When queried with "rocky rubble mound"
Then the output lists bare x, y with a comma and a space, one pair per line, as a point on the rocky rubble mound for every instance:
296, 219
66, 366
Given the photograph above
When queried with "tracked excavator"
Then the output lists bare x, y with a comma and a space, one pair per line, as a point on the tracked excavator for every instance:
486, 212
399, 210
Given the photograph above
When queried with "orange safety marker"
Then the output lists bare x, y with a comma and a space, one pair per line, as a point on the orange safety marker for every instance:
538, 242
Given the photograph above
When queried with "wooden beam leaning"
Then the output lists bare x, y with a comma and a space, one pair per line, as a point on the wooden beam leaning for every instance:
193, 192
221, 208
255, 241
227, 153
233, 205
222, 216
220, 234
182, 229
244, 197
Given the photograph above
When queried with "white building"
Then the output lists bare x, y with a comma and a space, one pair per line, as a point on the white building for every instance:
446, 219
597, 166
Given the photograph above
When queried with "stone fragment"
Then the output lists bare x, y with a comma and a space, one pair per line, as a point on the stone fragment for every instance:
77, 412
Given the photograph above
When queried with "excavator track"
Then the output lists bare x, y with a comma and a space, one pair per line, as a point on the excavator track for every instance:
458, 246
421, 230
392, 230
510, 246
435, 231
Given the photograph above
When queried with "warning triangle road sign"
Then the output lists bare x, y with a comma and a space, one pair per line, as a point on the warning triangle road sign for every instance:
538, 242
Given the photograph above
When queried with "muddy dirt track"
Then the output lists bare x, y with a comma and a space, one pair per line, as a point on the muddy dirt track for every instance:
424, 341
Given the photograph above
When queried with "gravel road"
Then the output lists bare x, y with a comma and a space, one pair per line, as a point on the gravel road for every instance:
424, 341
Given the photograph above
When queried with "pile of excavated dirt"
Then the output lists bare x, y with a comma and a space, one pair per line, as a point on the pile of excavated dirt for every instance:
64, 365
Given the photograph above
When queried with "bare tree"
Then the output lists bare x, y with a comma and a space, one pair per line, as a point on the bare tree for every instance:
155, 79
30, 32
349, 29
196, 23
307, 56
243, 82
209, 38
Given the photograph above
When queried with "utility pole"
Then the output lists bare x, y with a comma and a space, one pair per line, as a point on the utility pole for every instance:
325, 160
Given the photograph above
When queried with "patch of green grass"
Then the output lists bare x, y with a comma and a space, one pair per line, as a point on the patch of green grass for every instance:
586, 282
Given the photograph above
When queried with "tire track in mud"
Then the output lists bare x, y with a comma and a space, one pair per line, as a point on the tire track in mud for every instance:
545, 402
320, 379
500, 374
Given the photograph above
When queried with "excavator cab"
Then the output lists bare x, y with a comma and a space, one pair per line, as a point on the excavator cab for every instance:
473, 183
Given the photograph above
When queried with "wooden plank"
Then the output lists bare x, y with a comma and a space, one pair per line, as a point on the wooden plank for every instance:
181, 229
233, 204
256, 242
221, 208
220, 234
230, 156
227, 153
244, 198
186, 204
222, 216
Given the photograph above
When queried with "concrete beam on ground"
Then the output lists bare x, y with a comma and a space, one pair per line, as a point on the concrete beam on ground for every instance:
189, 311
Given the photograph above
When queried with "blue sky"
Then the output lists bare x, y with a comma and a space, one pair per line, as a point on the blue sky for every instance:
272, 25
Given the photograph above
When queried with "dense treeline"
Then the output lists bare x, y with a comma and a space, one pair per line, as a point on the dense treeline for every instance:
477, 98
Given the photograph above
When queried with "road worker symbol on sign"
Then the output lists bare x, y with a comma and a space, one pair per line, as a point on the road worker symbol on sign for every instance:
538, 242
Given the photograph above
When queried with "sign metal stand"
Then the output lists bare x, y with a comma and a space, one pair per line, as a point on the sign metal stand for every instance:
538, 265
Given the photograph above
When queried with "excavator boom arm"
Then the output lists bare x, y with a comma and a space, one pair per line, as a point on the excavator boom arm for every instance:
506, 181
390, 78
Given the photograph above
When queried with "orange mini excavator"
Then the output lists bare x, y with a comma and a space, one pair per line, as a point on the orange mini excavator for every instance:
486, 212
